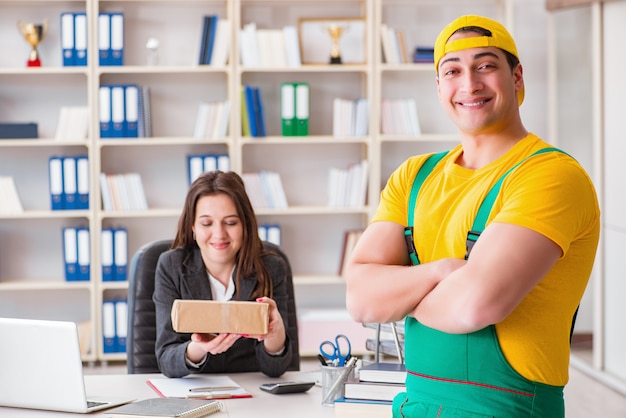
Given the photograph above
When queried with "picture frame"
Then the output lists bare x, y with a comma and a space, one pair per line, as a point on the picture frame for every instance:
316, 42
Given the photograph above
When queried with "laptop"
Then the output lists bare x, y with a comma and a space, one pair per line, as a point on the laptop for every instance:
41, 367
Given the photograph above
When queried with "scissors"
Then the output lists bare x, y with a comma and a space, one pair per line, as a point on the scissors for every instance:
338, 352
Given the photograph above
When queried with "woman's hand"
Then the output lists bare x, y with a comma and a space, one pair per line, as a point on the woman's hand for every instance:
201, 344
274, 340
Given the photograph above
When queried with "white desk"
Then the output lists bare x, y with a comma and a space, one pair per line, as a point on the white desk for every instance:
261, 405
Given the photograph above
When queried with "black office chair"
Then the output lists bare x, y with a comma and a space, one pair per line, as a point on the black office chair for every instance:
141, 338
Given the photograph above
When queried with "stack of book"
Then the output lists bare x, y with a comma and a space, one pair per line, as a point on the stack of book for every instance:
350, 117
265, 189
252, 120
215, 41
394, 46
399, 117
212, 120
269, 48
122, 192
124, 111
373, 393
347, 188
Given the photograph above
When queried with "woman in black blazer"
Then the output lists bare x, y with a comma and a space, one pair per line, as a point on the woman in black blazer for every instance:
217, 255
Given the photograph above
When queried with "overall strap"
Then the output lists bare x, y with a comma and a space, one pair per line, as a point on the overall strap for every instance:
423, 172
485, 207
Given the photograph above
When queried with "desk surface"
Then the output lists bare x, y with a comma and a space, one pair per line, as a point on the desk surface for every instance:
262, 404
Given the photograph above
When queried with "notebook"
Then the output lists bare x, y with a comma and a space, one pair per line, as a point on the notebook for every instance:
41, 367
167, 407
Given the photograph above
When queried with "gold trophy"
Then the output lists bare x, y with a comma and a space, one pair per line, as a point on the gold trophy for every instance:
33, 33
335, 32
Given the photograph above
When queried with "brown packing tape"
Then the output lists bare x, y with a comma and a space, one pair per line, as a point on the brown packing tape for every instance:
208, 316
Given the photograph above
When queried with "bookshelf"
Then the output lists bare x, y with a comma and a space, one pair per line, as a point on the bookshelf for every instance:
31, 255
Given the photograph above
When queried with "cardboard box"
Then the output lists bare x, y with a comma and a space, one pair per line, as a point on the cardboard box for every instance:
209, 316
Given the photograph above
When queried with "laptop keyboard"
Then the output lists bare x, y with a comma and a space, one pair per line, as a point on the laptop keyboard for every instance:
91, 404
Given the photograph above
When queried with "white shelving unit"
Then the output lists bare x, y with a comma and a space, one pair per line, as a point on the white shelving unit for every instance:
31, 258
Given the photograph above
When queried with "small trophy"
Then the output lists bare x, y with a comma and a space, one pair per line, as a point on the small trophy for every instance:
335, 32
34, 34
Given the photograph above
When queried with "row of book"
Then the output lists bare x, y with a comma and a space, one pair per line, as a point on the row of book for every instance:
294, 109
350, 117
10, 202
124, 111
212, 120
269, 48
202, 163
76, 254
347, 187
393, 45
113, 250
122, 192
215, 41
69, 182
73, 123
120, 106
114, 254
110, 38
373, 393
399, 117
114, 325
265, 190
395, 50
252, 120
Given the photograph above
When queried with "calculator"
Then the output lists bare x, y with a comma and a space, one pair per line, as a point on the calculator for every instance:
287, 387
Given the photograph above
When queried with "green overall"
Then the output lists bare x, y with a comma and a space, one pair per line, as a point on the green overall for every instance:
478, 381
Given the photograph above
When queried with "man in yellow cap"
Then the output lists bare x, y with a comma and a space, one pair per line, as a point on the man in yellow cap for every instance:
485, 250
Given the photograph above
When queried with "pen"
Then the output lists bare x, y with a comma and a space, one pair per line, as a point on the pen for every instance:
322, 360
212, 388
209, 396
341, 379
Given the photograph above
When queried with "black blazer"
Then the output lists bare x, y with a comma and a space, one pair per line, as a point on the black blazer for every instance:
181, 274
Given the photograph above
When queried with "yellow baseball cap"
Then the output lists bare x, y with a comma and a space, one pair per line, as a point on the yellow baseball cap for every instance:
500, 38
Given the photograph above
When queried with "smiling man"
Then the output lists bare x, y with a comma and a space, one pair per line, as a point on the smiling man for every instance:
485, 250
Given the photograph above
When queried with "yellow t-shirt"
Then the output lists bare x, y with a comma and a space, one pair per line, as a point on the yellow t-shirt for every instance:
549, 193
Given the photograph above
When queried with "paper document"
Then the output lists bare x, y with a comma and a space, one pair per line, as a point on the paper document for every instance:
198, 386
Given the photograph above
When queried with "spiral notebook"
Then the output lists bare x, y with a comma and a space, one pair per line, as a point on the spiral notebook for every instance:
167, 408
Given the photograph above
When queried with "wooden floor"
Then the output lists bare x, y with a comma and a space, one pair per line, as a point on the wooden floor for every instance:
585, 397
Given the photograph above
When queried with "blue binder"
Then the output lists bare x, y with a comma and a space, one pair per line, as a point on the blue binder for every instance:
118, 111
82, 182
104, 111
117, 38
55, 181
70, 183
104, 39
106, 255
70, 253
258, 108
109, 339
83, 258
67, 39
121, 324
131, 110
120, 253
80, 39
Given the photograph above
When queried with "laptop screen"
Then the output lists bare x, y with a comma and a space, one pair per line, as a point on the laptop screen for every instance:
41, 365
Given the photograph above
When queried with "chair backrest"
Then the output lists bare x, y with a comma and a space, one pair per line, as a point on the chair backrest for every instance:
141, 338
291, 314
